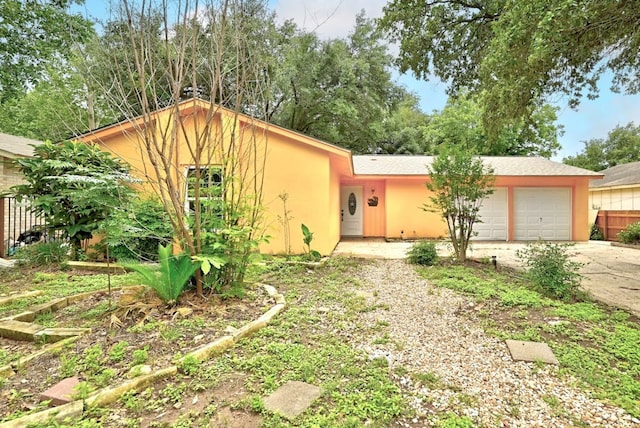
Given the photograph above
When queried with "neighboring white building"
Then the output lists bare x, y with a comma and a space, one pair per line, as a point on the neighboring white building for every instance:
618, 190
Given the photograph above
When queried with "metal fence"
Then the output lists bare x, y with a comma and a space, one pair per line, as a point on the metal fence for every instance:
18, 226
612, 222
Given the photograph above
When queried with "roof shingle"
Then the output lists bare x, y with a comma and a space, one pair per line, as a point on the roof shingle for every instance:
620, 175
502, 165
13, 146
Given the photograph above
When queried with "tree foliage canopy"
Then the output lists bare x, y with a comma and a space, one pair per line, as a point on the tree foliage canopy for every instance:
404, 130
338, 90
621, 146
32, 34
460, 123
518, 52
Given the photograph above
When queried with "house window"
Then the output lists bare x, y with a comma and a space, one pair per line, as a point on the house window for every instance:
210, 185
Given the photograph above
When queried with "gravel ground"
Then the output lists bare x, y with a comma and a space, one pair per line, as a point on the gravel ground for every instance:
477, 376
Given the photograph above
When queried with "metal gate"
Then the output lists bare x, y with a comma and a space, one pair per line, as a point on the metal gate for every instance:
18, 225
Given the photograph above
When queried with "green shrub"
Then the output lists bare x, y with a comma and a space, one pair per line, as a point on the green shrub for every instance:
43, 253
550, 269
423, 253
596, 233
631, 235
134, 231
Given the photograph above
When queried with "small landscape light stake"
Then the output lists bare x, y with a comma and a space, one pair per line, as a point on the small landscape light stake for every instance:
494, 262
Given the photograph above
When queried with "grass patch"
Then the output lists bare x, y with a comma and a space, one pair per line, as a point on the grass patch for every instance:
356, 390
595, 344
60, 284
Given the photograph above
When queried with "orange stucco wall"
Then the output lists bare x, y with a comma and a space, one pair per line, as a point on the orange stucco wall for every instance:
333, 229
406, 219
304, 174
579, 194
311, 173
404, 197
302, 171
374, 216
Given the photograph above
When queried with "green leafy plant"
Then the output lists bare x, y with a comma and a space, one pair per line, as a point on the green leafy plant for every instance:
189, 365
134, 231
307, 237
284, 220
596, 233
140, 356
631, 234
452, 420
43, 253
423, 253
169, 279
551, 270
118, 351
75, 186
92, 359
228, 244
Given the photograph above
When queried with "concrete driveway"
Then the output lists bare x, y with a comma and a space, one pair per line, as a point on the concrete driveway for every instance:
611, 274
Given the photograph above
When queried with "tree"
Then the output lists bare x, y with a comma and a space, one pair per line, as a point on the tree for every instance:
163, 57
459, 181
404, 130
55, 109
460, 122
337, 90
32, 34
621, 146
518, 52
74, 186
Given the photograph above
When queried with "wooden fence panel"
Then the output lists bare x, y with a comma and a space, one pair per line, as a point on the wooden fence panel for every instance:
612, 222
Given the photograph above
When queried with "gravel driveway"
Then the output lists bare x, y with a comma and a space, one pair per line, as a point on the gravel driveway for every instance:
482, 381
611, 274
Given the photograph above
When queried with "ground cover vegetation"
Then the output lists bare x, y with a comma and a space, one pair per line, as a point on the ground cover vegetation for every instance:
631, 234
317, 340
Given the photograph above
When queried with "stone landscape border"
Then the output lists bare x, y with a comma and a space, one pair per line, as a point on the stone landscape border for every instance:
109, 395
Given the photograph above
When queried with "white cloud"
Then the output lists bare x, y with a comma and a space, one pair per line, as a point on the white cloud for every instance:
329, 18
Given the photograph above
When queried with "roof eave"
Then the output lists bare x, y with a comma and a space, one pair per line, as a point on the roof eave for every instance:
616, 187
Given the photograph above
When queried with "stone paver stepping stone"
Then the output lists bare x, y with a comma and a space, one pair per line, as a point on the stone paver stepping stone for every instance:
292, 398
61, 392
18, 330
531, 351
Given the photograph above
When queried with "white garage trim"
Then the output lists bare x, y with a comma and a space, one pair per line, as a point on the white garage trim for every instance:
542, 213
494, 213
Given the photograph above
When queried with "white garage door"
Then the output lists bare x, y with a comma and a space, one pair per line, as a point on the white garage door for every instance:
542, 213
493, 213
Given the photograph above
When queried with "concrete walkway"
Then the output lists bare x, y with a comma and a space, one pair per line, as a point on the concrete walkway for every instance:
611, 274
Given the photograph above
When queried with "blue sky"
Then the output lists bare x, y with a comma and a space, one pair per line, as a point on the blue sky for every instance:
336, 18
